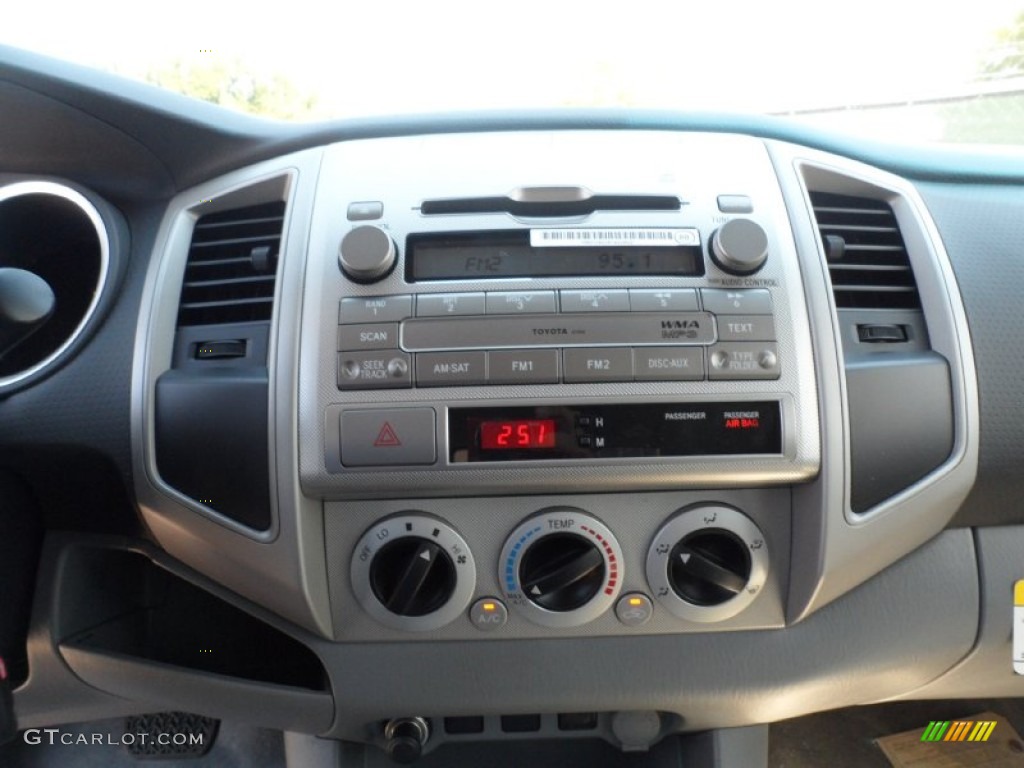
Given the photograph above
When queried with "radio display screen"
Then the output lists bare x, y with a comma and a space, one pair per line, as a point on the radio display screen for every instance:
501, 254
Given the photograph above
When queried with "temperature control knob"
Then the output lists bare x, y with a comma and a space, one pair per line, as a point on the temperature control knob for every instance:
561, 568
562, 572
367, 254
413, 572
707, 563
740, 246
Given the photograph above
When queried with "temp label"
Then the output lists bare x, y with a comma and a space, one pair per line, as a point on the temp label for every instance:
674, 236
1018, 627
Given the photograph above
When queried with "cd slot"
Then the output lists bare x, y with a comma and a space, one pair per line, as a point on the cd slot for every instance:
554, 208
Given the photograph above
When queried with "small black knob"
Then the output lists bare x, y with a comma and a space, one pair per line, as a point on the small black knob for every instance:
405, 739
708, 567
412, 576
561, 572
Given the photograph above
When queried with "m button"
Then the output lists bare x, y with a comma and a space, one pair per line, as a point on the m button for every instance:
385, 437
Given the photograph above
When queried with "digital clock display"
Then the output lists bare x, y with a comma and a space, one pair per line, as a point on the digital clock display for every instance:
495, 255
517, 434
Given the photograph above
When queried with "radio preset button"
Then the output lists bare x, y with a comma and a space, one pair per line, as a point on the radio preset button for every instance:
520, 302
605, 364
449, 304
616, 300
439, 369
523, 366
657, 299
386, 369
743, 360
668, 364
746, 328
742, 301
375, 309
376, 336
381, 437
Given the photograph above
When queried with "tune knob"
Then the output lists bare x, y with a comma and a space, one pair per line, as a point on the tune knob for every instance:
739, 246
413, 572
367, 253
561, 568
707, 563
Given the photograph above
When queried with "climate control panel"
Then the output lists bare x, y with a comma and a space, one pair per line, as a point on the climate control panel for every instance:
605, 564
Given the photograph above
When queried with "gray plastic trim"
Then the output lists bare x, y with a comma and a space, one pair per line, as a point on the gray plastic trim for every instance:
834, 549
21, 188
988, 670
284, 567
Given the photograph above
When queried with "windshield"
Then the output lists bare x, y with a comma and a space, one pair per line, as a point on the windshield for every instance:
886, 68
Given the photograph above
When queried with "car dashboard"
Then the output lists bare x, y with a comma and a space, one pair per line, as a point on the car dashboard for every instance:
423, 432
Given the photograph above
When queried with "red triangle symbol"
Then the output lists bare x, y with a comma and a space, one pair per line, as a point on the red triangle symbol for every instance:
386, 437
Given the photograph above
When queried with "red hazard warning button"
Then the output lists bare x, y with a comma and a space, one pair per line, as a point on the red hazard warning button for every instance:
384, 437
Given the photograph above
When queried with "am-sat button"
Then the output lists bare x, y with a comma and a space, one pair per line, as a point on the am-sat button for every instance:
384, 437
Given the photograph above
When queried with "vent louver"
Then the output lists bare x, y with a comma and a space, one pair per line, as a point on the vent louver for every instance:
232, 265
867, 258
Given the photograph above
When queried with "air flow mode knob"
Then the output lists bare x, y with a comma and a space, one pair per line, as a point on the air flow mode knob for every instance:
740, 246
707, 563
367, 254
413, 572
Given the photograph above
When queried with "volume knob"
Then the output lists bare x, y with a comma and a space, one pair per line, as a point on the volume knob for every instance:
740, 246
367, 254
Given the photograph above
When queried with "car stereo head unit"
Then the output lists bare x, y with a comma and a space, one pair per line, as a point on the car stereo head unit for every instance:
624, 331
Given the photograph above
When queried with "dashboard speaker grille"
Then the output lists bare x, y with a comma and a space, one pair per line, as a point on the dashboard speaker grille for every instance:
232, 265
867, 258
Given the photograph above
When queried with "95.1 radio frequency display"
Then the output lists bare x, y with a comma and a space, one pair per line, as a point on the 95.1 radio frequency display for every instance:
550, 253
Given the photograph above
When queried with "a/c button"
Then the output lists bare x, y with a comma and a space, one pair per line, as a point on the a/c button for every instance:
384, 437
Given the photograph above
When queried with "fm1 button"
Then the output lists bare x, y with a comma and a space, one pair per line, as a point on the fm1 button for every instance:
487, 614
634, 609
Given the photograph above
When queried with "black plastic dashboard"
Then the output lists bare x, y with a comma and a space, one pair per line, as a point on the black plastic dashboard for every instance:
852, 533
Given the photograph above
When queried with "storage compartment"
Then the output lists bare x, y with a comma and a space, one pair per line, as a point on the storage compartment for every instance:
128, 626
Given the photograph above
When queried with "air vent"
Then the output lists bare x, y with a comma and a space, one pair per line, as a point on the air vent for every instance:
867, 258
232, 263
